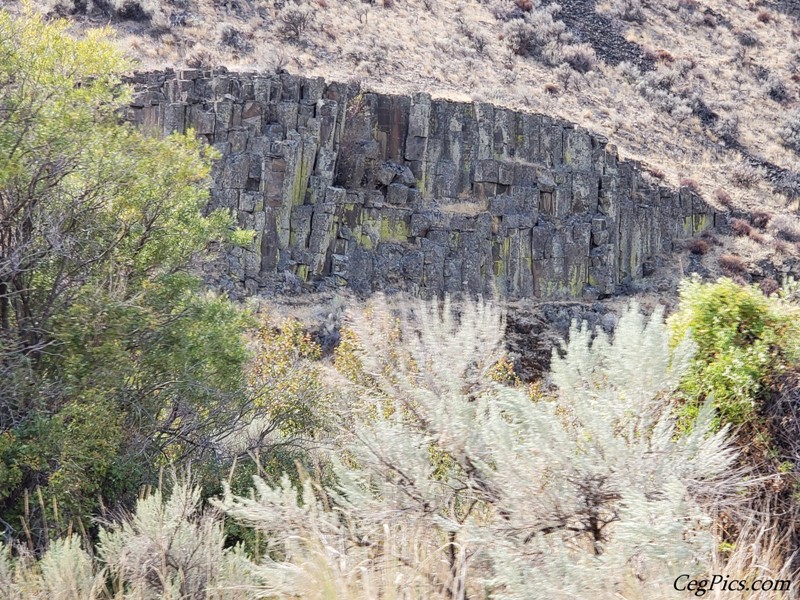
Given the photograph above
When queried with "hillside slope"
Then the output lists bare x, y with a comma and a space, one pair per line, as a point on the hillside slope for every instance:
705, 93
687, 86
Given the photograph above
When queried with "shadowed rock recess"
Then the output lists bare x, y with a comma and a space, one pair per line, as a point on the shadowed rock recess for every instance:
380, 192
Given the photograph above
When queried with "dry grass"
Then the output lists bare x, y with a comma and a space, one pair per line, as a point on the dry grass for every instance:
744, 175
779, 253
732, 264
465, 208
758, 553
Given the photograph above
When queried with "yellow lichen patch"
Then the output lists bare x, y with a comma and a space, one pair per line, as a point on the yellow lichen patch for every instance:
394, 230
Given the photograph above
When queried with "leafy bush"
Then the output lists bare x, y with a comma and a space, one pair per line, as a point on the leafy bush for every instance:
170, 548
284, 377
743, 338
64, 572
448, 484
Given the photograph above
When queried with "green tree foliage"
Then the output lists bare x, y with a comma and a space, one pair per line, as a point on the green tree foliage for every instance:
744, 341
283, 378
112, 362
287, 414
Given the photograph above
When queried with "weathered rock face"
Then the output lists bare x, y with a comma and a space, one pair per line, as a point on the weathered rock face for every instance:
379, 192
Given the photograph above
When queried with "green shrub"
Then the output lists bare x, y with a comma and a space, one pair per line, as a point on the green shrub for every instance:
744, 340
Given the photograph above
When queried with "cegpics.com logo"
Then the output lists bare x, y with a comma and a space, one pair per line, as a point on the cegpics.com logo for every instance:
698, 587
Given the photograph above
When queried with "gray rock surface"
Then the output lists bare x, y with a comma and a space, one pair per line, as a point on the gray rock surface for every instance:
379, 192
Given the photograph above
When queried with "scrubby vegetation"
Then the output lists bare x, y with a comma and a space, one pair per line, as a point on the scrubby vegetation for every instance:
113, 362
425, 498
446, 484
112, 359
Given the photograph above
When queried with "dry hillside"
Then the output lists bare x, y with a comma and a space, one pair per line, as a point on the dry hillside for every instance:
706, 93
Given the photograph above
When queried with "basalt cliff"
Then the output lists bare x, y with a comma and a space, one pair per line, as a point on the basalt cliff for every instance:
408, 193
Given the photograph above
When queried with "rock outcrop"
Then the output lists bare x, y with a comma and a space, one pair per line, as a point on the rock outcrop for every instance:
381, 192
